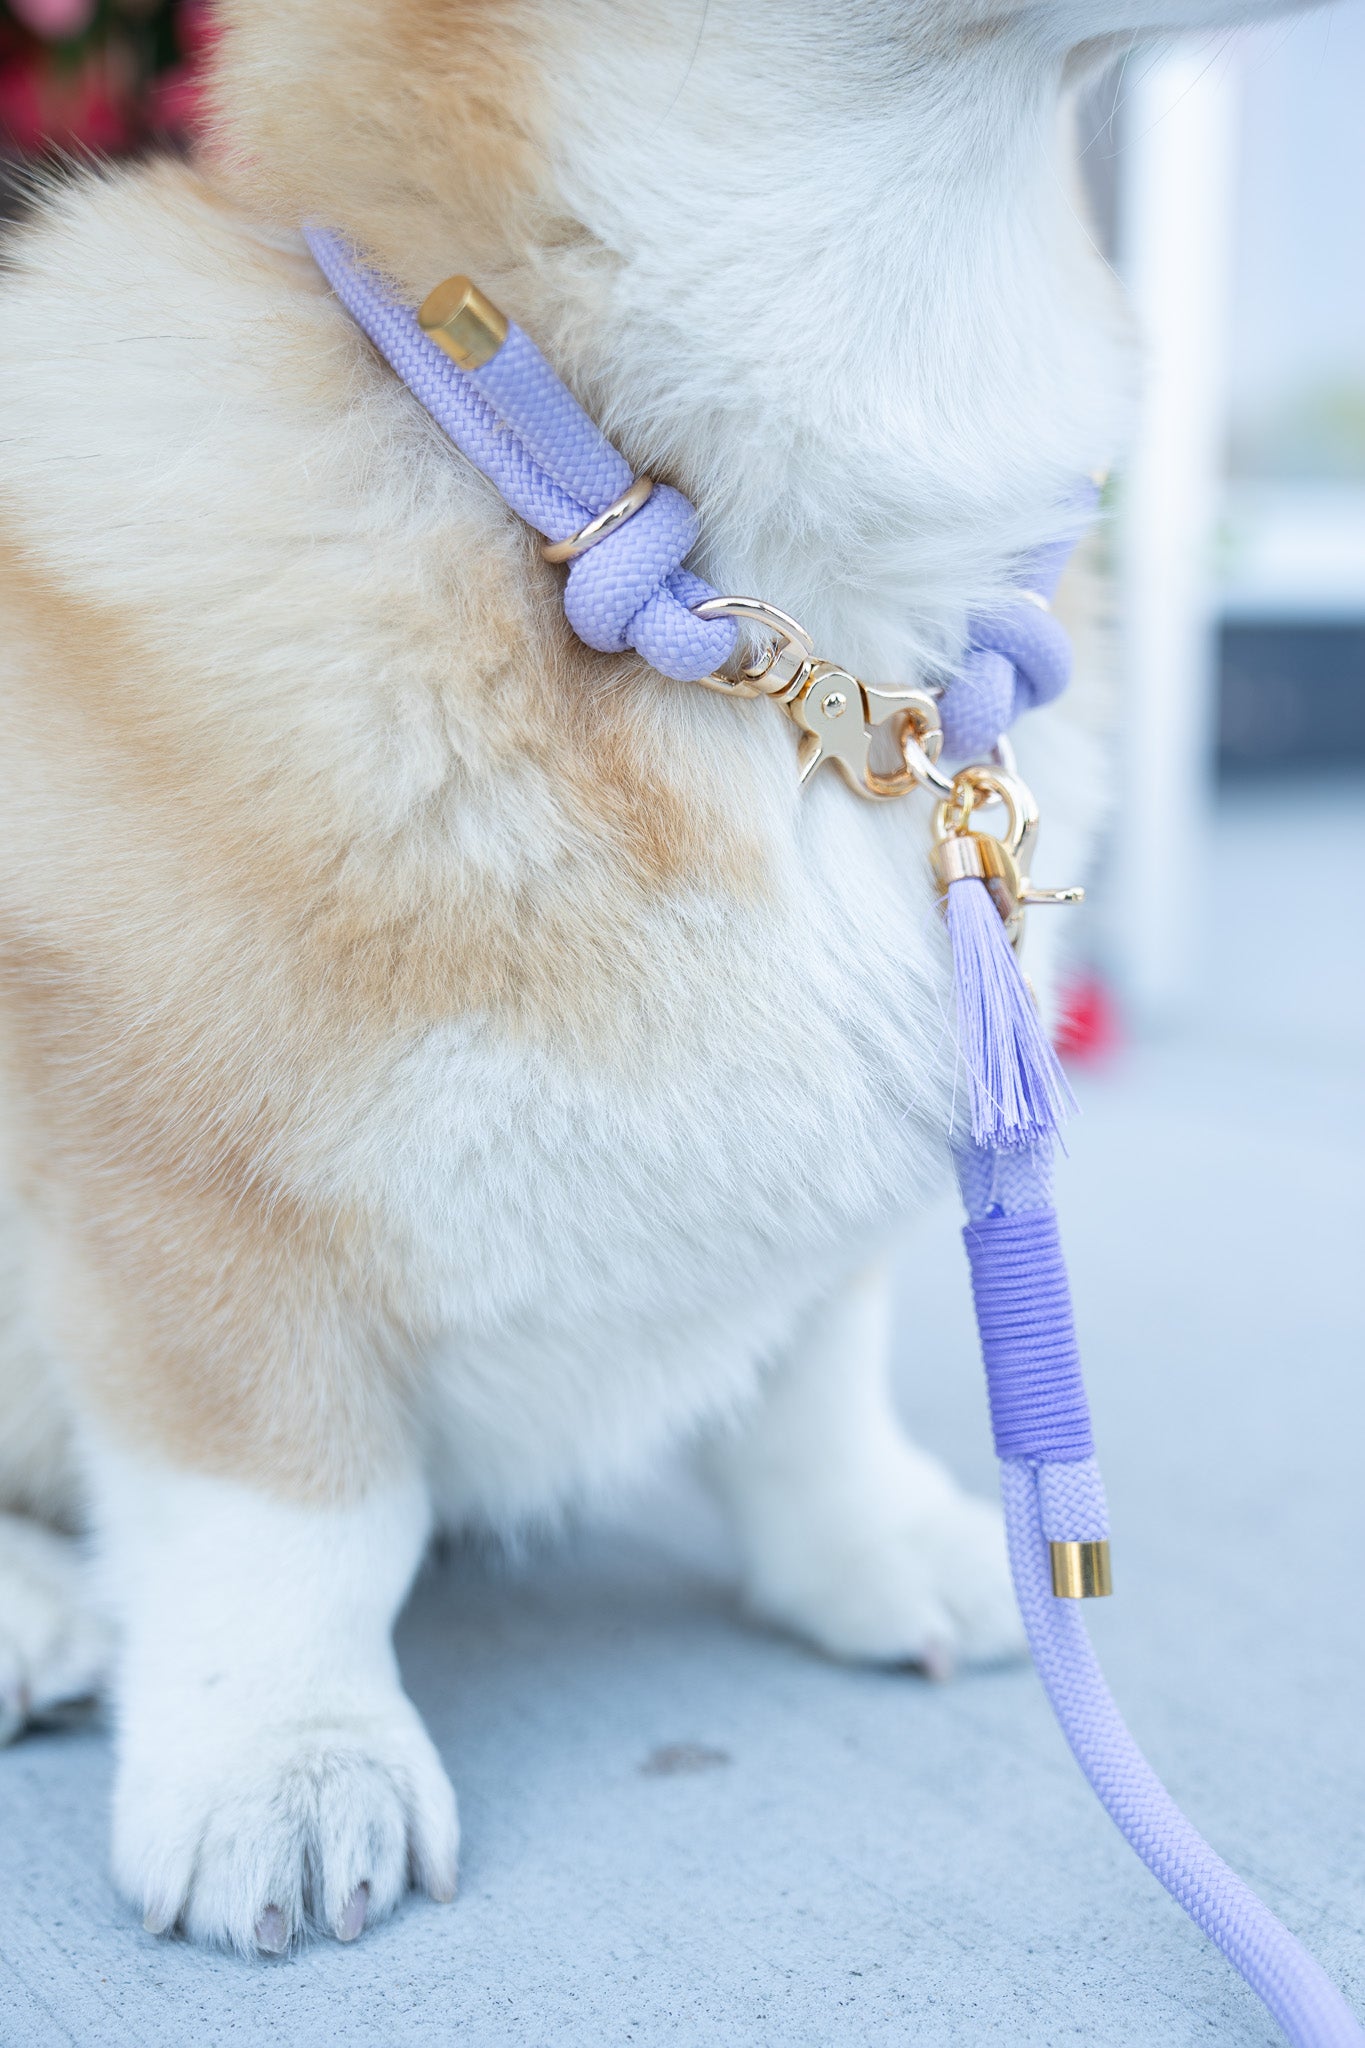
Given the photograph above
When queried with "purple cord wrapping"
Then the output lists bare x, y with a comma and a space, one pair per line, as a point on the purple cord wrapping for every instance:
1049, 1499
519, 424
1028, 1337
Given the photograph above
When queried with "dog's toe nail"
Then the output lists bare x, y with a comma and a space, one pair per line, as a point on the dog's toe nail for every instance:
442, 1887
272, 1932
352, 1921
159, 1919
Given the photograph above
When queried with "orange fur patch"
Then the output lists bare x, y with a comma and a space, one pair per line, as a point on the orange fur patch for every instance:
245, 867
446, 167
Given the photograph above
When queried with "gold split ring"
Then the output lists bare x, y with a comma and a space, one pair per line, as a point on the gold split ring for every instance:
603, 526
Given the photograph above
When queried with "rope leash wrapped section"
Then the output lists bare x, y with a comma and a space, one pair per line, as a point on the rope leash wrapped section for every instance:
1052, 1492
514, 419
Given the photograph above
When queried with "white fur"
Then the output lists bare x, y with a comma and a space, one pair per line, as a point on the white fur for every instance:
851, 1535
268, 1756
54, 1645
886, 350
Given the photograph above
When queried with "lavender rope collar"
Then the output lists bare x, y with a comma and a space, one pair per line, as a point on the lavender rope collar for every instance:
514, 419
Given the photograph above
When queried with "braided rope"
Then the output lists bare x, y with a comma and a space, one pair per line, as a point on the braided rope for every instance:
1059, 1498
1279, 1970
1075, 1508
1018, 656
516, 422
1028, 1338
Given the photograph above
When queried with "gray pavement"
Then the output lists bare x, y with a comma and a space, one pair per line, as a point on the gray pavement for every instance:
680, 1829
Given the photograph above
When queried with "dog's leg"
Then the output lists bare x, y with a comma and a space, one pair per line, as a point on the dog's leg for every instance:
271, 1770
258, 1509
849, 1534
53, 1644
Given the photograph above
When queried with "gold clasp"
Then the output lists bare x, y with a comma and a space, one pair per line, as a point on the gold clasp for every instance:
785, 663
837, 715
1001, 861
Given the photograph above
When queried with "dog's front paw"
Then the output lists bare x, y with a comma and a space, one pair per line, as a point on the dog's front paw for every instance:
248, 1836
53, 1646
930, 1588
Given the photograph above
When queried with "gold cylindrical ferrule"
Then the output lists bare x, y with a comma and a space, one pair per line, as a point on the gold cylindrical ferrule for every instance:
458, 317
958, 859
1080, 1571
976, 856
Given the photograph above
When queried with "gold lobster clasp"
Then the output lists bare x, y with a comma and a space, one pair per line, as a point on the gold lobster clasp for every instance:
839, 717
1002, 861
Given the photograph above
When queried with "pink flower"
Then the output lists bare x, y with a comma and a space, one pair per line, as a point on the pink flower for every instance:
82, 112
55, 19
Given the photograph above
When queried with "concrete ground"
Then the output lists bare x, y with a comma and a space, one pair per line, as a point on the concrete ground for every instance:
679, 1829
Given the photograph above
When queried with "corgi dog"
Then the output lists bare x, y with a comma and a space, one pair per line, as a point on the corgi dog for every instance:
445, 1067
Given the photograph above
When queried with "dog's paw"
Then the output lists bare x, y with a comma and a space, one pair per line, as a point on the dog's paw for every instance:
931, 1589
251, 1837
53, 1645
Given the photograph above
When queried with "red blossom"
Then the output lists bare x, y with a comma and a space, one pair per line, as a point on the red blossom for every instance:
1090, 1027
81, 77
55, 20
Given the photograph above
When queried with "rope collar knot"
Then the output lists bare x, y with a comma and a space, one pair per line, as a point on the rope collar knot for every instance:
514, 420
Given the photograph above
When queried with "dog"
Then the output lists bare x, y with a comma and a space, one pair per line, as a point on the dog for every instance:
446, 1067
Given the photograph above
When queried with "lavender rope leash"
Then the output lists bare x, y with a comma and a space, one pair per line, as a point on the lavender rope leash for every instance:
1053, 1493
518, 424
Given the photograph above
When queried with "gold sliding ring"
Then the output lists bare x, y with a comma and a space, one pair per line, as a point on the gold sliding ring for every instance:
603, 526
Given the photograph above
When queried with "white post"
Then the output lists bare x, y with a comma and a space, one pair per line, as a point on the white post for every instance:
1175, 242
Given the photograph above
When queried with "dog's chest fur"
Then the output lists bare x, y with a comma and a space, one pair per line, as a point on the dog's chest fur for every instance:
611, 1048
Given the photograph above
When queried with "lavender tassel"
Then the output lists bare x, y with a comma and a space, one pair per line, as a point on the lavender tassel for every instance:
1019, 1092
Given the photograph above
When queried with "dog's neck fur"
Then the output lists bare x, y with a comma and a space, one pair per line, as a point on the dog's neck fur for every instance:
858, 312
821, 267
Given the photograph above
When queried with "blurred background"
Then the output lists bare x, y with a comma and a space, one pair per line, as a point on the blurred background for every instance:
1227, 181
97, 76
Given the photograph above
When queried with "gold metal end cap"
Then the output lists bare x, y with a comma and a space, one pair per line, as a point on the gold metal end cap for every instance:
1080, 1571
957, 859
977, 856
459, 319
